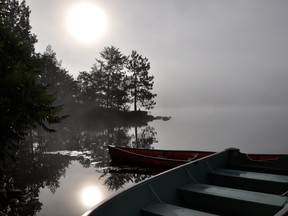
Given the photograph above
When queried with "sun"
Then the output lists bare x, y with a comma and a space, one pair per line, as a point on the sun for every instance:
86, 22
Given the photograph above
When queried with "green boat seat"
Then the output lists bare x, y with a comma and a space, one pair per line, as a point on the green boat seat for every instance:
262, 182
164, 209
230, 200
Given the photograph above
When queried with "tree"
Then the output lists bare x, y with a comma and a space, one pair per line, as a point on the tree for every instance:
24, 101
58, 81
92, 86
140, 83
110, 85
112, 65
15, 18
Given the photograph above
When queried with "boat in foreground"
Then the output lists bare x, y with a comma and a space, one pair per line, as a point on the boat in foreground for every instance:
225, 183
164, 159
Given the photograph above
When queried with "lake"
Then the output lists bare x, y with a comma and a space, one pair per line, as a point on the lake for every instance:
251, 129
68, 172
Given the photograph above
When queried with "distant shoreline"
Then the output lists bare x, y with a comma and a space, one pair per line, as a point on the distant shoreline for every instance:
112, 117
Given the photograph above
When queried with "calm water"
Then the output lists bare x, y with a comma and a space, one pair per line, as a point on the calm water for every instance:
254, 130
74, 173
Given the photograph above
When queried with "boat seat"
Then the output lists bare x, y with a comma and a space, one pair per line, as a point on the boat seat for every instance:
231, 200
262, 182
164, 209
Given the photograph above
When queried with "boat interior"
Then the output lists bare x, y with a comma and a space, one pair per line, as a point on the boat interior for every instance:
225, 183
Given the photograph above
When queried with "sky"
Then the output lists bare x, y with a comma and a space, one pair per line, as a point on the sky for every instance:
202, 52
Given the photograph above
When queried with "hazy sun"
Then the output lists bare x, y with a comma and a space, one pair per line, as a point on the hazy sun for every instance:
90, 196
86, 22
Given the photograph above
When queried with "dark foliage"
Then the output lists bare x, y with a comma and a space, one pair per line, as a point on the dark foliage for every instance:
24, 101
34, 87
117, 81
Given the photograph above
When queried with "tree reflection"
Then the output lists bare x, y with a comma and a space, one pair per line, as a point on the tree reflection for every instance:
144, 138
30, 173
116, 181
43, 159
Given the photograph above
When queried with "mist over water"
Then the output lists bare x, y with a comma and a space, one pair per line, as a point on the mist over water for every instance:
251, 129
65, 165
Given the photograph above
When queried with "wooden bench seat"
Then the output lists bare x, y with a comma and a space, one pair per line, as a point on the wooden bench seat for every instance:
262, 182
163, 209
231, 201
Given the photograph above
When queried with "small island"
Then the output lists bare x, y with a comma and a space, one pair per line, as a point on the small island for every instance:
44, 109
116, 91
38, 92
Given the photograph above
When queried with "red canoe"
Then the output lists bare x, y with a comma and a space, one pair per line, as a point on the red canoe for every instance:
166, 159
153, 158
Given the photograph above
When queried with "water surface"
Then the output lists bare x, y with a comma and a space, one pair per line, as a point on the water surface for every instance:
68, 172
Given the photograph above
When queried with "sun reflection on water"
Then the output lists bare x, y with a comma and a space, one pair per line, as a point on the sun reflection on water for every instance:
90, 196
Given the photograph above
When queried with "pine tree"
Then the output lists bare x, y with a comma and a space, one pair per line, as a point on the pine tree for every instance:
140, 82
58, 81
92, 86
24, 101
112, 64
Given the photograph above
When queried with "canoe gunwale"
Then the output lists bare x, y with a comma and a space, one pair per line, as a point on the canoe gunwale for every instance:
118, 195
163, 187
150, 157
157, 158
243, 162
283, 211
153, 158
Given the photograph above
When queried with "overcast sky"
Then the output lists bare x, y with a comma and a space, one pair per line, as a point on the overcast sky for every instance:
202, 52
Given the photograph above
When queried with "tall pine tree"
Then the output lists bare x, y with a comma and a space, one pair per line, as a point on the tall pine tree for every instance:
24, 101
140, 82
58, 81
112, 64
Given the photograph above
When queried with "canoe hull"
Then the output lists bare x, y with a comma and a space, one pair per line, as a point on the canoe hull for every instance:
164, 159
191, 185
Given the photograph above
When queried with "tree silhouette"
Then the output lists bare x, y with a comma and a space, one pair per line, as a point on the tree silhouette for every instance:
58, 81
116, 81
92, 86
105, 85
112, 65
141, 83
24, 101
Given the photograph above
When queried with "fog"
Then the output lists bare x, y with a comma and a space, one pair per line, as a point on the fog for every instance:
202, 53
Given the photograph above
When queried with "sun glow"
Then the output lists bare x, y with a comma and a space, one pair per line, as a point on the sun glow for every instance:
86, 22
90, 196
